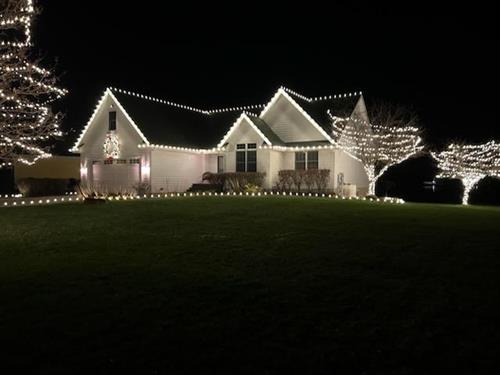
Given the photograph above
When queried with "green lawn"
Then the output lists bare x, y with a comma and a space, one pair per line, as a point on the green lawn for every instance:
249, 286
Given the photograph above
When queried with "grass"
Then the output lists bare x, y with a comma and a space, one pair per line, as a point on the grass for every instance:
249, 286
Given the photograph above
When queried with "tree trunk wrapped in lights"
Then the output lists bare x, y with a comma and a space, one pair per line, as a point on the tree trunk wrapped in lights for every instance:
469, 163
388, 139
26, 90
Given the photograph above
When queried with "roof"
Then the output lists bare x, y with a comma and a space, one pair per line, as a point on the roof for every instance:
318, 108
266, 130
170, 125
167, 123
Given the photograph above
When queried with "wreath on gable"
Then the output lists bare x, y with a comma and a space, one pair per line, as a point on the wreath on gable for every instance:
111, 146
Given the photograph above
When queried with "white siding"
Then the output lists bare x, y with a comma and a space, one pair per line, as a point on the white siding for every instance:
175, 171
353, 171
93, 141
275, 165
245, 133
289, 123
115, 178
327, 161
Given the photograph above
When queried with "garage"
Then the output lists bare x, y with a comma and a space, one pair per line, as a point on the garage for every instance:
115, 176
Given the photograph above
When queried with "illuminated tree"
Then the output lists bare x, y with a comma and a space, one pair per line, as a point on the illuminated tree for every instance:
391, 137
26, 90
469, 163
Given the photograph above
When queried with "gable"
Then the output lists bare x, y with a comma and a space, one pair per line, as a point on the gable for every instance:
244, 131
172, 124
360, 112
290, 122
92, 139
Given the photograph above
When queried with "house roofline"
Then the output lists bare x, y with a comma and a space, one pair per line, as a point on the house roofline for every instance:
237, 123
282, 92
107, 92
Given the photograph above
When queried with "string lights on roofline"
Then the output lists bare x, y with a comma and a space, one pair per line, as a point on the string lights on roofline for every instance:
322, 98
245, 109
182, 149
187, 107
235, 108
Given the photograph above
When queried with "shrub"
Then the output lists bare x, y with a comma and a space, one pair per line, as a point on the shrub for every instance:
39, 187
214, 178
142, 188
285, 179
298, 178
310, 178
289, 178
322, 179
234, 181
251, 188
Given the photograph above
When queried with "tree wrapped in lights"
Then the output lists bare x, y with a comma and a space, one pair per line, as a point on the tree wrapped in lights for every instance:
391, 137
469, 163
26, 90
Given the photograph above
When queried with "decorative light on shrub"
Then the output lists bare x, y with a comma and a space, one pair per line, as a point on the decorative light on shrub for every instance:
469, 163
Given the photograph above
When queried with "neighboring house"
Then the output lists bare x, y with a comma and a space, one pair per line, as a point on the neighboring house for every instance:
133, 138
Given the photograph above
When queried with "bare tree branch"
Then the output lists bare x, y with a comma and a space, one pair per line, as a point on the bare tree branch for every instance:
391, 136
26, 90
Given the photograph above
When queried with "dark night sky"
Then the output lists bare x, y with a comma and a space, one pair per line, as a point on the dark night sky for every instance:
440, 61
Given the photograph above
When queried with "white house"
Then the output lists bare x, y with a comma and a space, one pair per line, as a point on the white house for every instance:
133, 138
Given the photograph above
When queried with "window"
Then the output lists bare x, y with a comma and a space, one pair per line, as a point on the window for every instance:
121, 161
112, 121
300, 160
312, 160
135, 161
108, 161
252, 161
306, 160
246, 157
220, 164
240, 161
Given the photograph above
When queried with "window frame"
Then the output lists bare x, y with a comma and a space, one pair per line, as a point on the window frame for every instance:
246, 149
307, 161
112, 121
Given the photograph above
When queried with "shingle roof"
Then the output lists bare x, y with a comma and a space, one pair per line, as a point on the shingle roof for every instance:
267, 131
168, 124
318, 109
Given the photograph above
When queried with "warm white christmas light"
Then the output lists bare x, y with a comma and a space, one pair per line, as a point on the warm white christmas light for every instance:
26, 120
377, 147
469, 163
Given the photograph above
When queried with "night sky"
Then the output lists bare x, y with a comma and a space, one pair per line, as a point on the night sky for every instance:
441, 62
